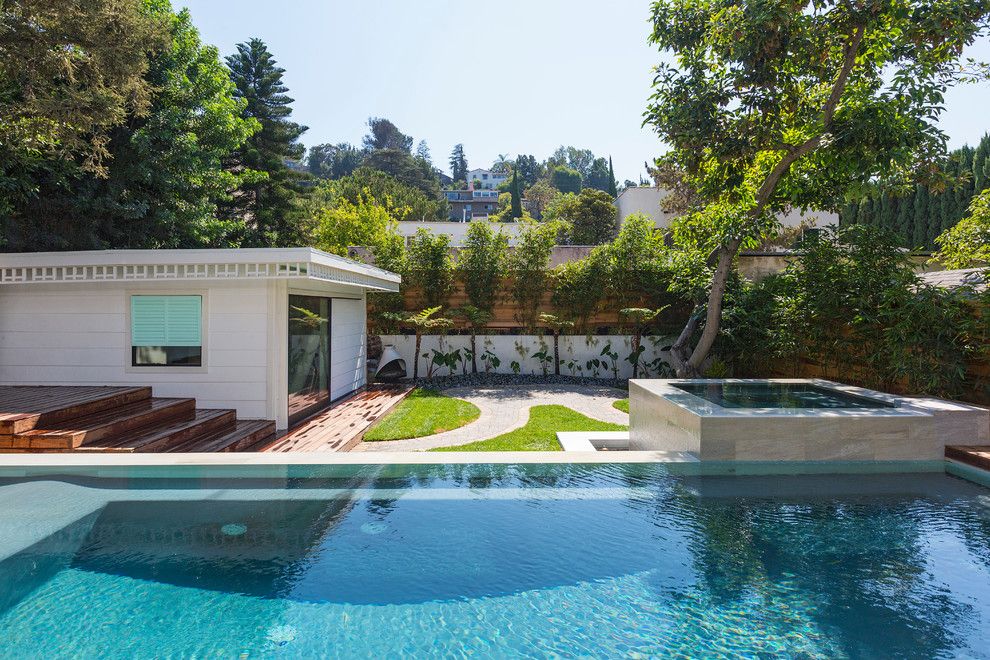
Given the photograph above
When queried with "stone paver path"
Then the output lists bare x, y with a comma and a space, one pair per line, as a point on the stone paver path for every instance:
505, 408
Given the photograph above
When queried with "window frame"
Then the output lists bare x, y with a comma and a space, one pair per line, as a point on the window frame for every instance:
129, 366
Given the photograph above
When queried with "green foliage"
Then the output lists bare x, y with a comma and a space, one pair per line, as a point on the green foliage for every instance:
333, 161
384, 135
458, 164
430, 266
165, 175
927, 211
795, 104
591, 216
369, 222
269, 202
612, 189
530, 263
482, 263
598, 176
540, 432
530, 170
967, 244
411, 171
886, 328
565, 179
423, 412
516, 196
408, 202
70, 72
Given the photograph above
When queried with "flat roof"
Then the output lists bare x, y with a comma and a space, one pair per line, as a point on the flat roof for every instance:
193, 264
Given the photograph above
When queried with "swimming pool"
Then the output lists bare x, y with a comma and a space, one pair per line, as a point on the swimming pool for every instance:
603, 560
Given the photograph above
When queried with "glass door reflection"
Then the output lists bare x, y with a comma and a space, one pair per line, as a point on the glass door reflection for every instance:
309, 356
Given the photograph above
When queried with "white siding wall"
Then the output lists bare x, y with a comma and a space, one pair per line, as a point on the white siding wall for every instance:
76, 334
348, 344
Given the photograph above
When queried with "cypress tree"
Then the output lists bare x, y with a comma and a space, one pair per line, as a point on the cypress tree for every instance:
849, 212
516, 196
919, 236
612, 190
268, 205
865, 214
905, 219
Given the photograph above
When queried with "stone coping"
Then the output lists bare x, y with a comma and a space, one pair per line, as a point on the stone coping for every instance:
906, 406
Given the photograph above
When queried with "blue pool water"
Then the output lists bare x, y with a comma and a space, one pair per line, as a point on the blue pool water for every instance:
770, 394
497, 561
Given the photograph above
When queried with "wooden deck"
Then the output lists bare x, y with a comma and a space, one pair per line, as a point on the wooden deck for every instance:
118, 419
342, 426
976, 455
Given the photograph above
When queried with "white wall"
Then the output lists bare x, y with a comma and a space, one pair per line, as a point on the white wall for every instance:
76, 334
457, 230
520, 348
646, 200
348, 346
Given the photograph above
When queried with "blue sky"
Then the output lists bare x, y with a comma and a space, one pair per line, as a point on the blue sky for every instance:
509, 77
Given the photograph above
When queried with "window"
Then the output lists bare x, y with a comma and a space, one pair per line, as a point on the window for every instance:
166, 331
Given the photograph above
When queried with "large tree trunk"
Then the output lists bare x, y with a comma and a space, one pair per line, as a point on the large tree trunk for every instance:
635, 349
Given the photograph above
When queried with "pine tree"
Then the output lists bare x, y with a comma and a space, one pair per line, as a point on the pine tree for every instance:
268, 205
919, 235
612, 190
516, 196
458, 164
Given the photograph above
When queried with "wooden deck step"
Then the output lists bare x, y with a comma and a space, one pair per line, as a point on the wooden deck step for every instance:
107, 424
247, 435
23, 408
158, 438
975, 455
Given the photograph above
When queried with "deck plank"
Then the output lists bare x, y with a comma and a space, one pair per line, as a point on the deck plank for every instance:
341, 427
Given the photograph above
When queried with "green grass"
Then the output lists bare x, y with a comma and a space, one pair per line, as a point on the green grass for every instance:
423, 412
622, 404
539, 433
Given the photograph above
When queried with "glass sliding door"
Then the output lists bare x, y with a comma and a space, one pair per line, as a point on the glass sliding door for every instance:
309, 356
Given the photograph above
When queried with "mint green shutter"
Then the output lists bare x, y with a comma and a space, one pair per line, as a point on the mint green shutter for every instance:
166, 320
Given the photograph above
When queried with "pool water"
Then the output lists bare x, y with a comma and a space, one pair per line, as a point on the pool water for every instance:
499, 561
778, 395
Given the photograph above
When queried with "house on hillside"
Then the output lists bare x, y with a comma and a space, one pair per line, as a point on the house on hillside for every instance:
467, 205
487, 180
276, 334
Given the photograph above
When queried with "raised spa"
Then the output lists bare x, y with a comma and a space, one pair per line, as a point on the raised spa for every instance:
796, 420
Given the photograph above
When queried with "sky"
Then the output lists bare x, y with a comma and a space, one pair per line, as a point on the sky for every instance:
508, 77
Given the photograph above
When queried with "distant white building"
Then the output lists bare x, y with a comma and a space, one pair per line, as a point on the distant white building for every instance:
489, 180
457, 231
646, 200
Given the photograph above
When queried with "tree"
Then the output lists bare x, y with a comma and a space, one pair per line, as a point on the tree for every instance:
333, 161
383, 134
590, 215
919, 234
476, 319
409, 170
423, 322
541, 195
529, 170
430, 266
967, 244
556, 325
481, 264
801, 103
517, 210
268, 204
409, 203
612, 190
458, 164
502, 164
70, 71
566, 179
530, 261
598, 175
423, 152
366, 222
164, 176
639, 318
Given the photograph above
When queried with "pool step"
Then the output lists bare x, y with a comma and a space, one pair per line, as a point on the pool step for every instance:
113, 423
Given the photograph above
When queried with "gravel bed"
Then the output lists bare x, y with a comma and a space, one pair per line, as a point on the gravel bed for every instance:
503, 380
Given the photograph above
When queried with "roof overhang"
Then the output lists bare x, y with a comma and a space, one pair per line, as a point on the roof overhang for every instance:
192, 265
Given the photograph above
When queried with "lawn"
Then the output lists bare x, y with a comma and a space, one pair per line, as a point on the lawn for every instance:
540, 432
622, 404
423, 412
